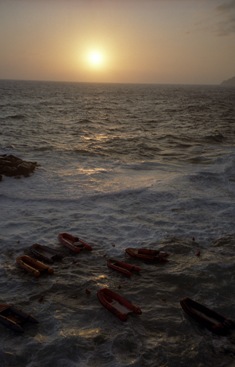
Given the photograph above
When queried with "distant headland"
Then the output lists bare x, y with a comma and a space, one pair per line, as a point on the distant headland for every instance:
229, 82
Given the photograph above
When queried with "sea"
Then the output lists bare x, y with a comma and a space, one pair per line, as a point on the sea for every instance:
119, 165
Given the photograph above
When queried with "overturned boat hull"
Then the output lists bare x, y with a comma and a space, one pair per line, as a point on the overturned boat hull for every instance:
45, 253
33, 266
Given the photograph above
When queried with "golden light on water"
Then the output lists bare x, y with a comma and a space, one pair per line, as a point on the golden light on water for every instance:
76, 331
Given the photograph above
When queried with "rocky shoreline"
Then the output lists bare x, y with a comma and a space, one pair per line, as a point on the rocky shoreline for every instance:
15, 167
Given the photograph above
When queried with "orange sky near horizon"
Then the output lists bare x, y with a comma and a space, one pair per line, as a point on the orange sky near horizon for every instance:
136, 41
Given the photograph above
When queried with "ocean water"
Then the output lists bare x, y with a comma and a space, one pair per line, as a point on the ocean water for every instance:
119, 166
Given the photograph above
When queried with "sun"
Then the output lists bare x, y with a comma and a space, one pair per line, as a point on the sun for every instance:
95, 59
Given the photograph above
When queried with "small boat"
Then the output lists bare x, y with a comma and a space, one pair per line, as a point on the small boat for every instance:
45, 253
147, 254
122, 267
208, 318
117, 304
33, 266
75, 244
13, 318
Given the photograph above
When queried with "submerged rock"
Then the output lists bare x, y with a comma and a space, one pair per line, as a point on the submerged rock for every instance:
13, 166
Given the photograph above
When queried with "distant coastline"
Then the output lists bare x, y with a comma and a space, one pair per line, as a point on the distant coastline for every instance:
187, 84
229, 82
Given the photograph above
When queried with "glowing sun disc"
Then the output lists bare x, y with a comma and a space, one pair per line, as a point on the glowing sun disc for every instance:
95, 59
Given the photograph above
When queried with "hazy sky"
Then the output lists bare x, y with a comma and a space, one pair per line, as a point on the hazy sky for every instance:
152, 41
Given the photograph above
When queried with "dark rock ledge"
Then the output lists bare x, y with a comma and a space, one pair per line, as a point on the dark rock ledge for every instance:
15, 167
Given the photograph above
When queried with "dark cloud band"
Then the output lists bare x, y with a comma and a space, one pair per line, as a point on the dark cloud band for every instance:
226, 11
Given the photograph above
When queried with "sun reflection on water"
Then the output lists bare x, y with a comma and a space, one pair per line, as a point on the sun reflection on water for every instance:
84, 333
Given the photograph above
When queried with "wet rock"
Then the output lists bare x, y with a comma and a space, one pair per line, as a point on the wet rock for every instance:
15, 167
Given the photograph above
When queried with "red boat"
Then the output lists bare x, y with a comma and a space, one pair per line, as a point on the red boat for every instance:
117, 304
208, 318
33, 266
147, 254
122, 267
75, 244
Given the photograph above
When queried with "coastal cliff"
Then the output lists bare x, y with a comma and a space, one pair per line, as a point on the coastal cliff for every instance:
229, 82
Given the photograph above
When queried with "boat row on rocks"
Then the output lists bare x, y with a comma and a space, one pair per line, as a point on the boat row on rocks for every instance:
40, 259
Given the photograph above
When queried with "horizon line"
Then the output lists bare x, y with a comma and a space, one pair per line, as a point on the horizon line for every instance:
110, 83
